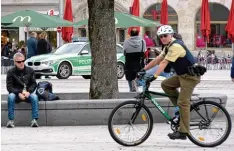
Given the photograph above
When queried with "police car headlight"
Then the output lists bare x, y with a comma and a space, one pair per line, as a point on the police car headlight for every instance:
48, 62
140, 89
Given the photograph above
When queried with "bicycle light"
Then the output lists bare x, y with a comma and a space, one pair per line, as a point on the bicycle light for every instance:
140, 89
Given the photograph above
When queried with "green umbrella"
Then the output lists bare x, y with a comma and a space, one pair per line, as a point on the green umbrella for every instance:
29, 18
81, 23
126, 20
5, 24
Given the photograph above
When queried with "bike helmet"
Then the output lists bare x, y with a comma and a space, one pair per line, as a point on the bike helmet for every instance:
165, 29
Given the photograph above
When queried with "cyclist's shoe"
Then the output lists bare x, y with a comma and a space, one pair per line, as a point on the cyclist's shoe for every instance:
177, 135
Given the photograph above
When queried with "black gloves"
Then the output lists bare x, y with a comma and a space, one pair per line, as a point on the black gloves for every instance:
151, 78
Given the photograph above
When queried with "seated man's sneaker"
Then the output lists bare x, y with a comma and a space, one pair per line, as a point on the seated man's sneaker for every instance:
34, 123
177, 135
10, 124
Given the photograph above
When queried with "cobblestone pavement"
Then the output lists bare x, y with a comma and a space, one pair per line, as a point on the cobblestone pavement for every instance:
93, 138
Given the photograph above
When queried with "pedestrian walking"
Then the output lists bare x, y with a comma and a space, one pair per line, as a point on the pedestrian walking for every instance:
32, 45
134, 49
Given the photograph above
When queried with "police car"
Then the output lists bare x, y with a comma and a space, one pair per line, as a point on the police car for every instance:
70, 59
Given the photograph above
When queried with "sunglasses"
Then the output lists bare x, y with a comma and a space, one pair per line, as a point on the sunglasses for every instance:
22, 61
165, 36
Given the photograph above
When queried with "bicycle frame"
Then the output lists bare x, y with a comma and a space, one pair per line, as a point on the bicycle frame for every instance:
148, 93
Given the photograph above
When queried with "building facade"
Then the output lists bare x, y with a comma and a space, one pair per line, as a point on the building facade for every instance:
184, 16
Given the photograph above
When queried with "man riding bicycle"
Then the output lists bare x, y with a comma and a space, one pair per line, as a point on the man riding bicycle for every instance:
176, 54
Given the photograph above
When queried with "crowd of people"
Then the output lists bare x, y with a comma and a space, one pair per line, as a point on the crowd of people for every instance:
35, 45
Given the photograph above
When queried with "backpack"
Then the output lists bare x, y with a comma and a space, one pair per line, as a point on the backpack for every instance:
195, 69
44, 91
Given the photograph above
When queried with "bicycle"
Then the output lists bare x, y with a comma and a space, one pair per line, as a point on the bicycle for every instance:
134, 115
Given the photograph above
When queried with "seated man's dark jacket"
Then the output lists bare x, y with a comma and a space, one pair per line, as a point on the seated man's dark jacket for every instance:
17, 78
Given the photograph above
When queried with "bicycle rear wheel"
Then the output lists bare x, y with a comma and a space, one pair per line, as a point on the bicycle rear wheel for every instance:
210, 124
130, 124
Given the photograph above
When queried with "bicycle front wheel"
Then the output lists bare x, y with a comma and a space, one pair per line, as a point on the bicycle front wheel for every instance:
130, 124
210, 124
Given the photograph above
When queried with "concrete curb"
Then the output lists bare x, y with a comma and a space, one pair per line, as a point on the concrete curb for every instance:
84, 96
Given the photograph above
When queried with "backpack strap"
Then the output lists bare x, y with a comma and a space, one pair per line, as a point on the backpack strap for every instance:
142, 53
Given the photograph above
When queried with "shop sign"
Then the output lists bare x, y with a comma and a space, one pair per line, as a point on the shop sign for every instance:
22, 18
50, 12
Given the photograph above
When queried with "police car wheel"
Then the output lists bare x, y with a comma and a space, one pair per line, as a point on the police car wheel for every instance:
64, 70
120, 70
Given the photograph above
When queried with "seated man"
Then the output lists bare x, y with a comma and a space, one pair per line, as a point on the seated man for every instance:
21, 84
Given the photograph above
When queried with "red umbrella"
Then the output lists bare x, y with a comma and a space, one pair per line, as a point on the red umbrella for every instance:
205, 19
135, 10
230, 24
67, 31
164, 13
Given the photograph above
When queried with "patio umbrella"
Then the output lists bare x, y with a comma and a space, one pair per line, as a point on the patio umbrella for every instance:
164, 13
230, 25
135, 10
67, 31
126, 20
205, 20
29, 18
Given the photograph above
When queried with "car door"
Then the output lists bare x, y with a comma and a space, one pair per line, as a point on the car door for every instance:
84, 61
120, 54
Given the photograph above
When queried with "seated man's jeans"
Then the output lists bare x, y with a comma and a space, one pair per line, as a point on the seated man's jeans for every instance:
33, 99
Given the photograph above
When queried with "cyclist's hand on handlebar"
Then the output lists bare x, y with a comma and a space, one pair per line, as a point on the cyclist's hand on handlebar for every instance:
141, 73
151, 78
143, 70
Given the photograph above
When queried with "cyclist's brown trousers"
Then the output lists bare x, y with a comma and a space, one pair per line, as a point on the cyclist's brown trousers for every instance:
187, 84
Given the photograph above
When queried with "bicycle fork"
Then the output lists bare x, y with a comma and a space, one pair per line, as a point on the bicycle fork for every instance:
135, 114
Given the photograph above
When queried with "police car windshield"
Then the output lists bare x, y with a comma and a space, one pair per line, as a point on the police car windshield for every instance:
68, 48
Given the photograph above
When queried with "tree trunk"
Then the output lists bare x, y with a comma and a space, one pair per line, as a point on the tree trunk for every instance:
104, 82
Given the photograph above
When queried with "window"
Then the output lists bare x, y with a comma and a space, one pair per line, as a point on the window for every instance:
82, 32
121, 35
86, 47
218, 21
153, 13
68, 48
9, 35
119, 49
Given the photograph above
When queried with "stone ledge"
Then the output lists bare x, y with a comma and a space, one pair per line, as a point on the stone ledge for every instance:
83, 96
121, 95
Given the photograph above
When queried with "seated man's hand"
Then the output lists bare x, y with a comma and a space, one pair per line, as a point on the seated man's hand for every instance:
22, 96
26, 94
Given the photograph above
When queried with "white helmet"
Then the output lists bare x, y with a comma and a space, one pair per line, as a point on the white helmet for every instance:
165, 29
